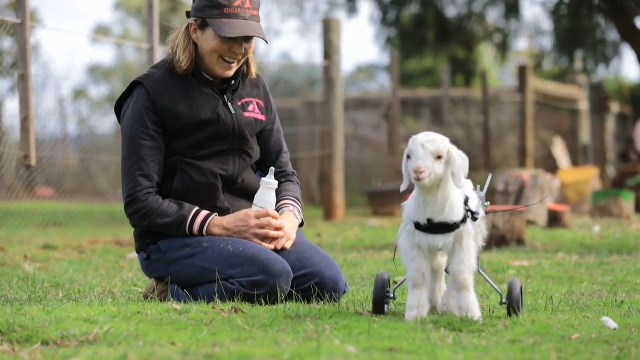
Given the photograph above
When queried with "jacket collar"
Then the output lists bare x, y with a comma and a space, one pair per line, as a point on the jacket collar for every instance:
230, 84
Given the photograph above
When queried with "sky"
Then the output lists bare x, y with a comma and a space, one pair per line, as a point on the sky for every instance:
68, 49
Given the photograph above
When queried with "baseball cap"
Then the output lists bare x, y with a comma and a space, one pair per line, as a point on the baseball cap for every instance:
230, 18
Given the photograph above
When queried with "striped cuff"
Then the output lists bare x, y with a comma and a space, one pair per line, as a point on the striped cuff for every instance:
198, 221
288, 201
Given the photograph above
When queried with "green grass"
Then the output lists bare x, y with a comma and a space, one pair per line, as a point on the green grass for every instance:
68, 291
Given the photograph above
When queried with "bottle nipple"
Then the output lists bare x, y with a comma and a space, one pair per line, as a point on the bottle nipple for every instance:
270, 180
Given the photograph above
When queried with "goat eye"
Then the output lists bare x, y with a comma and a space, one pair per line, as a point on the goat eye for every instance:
438, 157
408, 157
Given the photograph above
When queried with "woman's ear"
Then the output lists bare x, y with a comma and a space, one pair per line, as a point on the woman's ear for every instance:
193, 31
458, 164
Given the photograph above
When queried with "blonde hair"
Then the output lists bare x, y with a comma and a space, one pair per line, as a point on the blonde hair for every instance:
181, 50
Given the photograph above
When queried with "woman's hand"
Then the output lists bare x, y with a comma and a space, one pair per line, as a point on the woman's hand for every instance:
262, 227
290, 230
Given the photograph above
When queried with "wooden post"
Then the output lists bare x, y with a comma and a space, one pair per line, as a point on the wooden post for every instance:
584, 123
395, 119
303, 144
446, 85
153, 30
25, 85
486, 124
332, 167
609, 140
598, 109
527, 134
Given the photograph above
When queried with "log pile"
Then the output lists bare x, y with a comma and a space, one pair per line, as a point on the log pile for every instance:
559, 216
506, 225
527, 187
385, 200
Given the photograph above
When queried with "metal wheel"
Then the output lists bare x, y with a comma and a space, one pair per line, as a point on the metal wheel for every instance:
514, 297
381, 294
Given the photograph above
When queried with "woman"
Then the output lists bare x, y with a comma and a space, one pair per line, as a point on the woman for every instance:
196, 129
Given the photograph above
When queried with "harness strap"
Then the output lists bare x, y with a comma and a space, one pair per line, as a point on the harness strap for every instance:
446, 227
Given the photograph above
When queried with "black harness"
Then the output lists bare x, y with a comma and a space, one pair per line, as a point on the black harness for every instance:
446, 227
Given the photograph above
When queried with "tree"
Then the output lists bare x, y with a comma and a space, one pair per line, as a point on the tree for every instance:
105, 82
586, 32
622, 14
430, 33
8, 58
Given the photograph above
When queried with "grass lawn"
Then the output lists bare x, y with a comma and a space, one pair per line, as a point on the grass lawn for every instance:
68, 291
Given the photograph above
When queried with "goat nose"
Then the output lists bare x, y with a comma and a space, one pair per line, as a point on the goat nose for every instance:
419, 170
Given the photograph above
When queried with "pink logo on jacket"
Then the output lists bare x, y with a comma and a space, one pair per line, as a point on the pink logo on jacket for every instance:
253, 110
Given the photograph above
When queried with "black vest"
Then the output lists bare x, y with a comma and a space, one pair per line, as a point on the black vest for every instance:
209, 135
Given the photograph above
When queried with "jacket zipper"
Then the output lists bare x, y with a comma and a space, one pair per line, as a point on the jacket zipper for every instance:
237, 130
230, 106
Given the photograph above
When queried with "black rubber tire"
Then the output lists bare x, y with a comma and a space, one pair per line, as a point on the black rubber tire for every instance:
381, 294
514, 297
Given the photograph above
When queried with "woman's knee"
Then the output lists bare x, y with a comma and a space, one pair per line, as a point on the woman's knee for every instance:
318, 276
273, 282
330, 285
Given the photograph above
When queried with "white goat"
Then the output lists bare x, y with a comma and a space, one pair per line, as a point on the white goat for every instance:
438, 230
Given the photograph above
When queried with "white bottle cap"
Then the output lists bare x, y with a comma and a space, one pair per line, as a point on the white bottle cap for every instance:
269, 180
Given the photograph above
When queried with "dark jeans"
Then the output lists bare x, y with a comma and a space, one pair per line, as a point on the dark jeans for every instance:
209, 268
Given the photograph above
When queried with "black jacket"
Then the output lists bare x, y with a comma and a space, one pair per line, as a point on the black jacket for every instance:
189, 151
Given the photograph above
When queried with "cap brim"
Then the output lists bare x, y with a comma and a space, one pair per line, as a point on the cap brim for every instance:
237, 27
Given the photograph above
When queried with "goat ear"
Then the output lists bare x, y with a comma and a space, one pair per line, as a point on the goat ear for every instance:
458, 163
405, 173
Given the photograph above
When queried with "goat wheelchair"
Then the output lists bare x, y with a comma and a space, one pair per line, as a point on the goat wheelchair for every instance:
383, 293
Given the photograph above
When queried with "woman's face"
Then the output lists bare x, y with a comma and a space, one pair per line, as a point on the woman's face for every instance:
220, 57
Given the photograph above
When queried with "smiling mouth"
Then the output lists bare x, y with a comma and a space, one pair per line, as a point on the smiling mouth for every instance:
419, 178
228, 60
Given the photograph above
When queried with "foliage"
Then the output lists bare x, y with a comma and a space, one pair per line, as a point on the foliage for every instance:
624, 91
431, 33
580, 27
105, 81
8, 58
71, 290
583, 33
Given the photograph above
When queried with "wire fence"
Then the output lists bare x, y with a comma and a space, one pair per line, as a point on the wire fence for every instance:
77, 141
367, 158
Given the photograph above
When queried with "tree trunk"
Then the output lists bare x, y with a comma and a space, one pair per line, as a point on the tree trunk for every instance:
622, 18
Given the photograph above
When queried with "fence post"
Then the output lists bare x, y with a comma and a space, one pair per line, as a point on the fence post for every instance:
486, 123
25, 84
395, 118
585, 150
332, 175
446, 87
527, 102
153, 30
